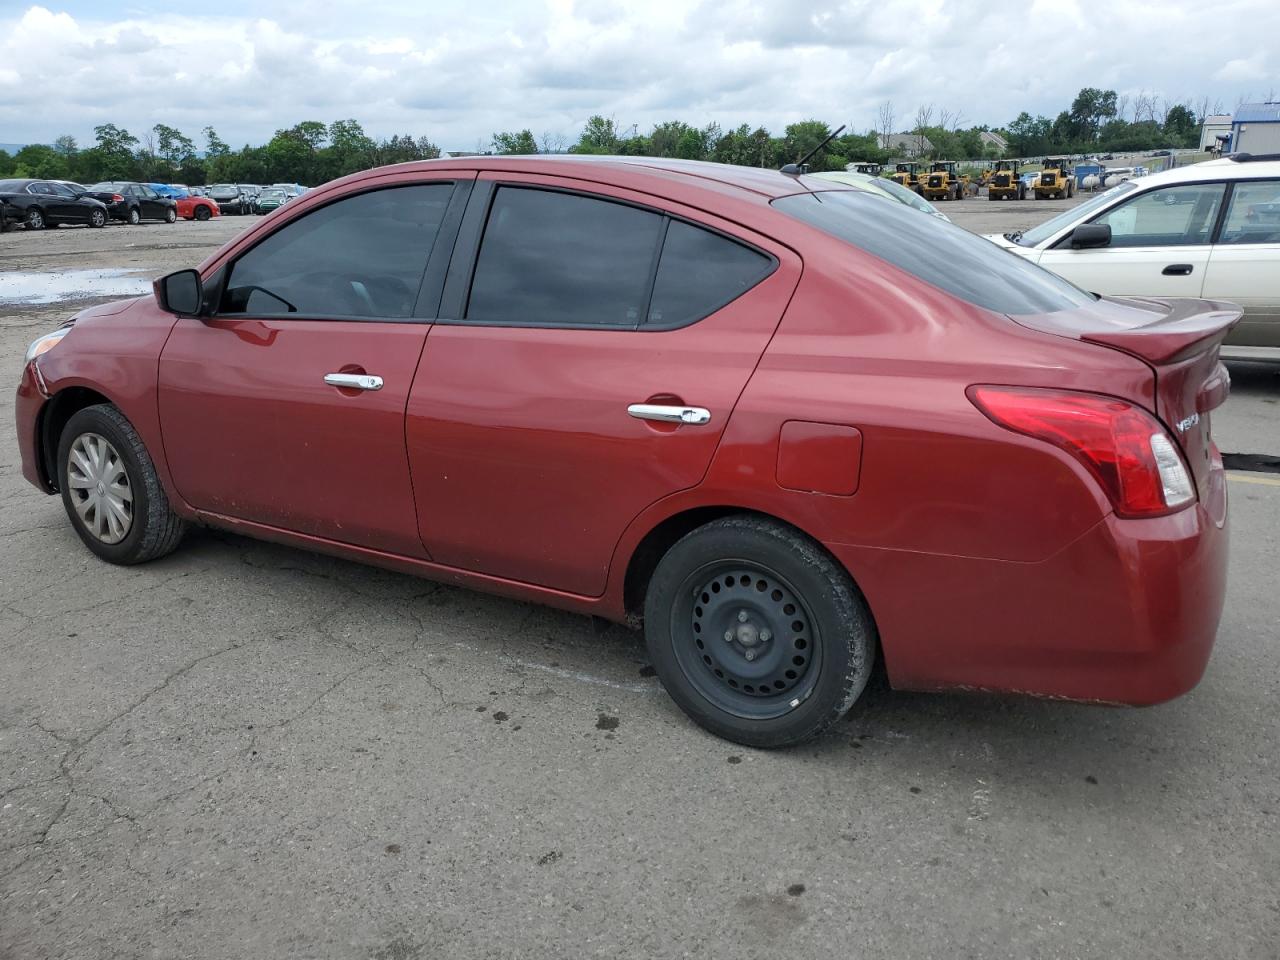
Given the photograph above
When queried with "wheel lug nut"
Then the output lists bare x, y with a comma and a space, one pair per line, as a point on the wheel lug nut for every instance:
742, 616
765, 636
750, 654
728, 636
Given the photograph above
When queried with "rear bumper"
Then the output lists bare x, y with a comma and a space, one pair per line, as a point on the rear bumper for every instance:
28, 404
1126, 614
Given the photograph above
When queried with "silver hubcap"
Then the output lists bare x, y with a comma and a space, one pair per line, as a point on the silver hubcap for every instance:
100, 489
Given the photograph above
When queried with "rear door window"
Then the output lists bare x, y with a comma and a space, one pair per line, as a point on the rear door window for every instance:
363, 256
939, 253
699, 272
549, 258
1254, 214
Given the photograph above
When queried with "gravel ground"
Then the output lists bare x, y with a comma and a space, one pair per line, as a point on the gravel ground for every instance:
248, 751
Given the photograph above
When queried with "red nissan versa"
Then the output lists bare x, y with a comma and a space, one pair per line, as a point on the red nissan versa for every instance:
792, 427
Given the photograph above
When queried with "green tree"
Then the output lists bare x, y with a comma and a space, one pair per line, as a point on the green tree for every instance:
350, 149
510, 144
7, 164
66, 146
42, 162
174, 149
214, 144
1089, 110
114, 159
1180, 126
600, 135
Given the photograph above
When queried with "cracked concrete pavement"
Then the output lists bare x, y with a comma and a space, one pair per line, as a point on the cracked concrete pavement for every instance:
246, 751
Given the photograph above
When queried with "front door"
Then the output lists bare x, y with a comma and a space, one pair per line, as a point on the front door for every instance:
1160, 243
286, 407
587, 371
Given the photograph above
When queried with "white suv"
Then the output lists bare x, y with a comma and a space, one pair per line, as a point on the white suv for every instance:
1208, 230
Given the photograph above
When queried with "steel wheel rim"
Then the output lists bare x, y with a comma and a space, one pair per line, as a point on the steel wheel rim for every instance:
36, 219
99, 486
97, 218
753, 652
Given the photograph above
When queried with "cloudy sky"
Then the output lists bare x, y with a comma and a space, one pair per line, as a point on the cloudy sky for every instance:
457, 70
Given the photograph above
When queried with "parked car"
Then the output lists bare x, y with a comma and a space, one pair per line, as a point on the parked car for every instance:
294, 190
196, 207
134, 202
174, 191
37, 204
789, 426
271, 198
883, 186
250, 192
1194, 231
230, 198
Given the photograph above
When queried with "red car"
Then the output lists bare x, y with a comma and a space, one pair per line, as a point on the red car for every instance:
192, 207
789, 427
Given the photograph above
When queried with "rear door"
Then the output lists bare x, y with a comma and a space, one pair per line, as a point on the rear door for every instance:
591, 347
1244, 266
1160, 245
286, 407
153, 207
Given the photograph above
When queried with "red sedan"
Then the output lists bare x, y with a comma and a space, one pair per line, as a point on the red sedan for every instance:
192, 207
789, 427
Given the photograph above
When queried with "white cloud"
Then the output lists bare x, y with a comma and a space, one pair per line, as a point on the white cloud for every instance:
457, 71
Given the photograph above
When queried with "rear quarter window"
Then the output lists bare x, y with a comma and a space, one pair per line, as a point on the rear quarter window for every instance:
939, 253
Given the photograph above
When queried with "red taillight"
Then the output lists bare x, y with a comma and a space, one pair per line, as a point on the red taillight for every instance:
1124, 447
116, 198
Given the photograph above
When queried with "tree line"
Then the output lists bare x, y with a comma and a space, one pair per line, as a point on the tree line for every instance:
312, 152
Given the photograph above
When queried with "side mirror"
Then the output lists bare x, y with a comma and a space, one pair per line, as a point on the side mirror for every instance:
181, 293
1089, 235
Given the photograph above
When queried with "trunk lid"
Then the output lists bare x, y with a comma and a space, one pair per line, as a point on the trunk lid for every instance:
1180, 341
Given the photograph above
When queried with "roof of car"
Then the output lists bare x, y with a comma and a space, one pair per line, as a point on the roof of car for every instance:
764, 182
1223, 168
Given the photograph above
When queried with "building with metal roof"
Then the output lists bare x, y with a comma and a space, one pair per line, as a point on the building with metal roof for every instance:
1255, 128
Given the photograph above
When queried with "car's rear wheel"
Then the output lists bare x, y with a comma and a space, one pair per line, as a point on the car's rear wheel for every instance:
97, 218
757, 634
202, 212
135, 216
111, 491
34, 219
171, 215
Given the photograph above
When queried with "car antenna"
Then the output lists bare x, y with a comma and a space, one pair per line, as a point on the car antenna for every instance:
796, 169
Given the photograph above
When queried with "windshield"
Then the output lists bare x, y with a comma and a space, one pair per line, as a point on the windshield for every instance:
272, 194
939, 253
1037, 235
223, 188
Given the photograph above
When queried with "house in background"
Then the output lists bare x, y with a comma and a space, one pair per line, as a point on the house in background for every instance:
905, 144
993, 143
1255, 128
1214, 131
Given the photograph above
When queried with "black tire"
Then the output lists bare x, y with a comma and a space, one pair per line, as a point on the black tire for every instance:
202, 212
738, 577
34, 219
135, 216
170, 215
154, 529
97, 218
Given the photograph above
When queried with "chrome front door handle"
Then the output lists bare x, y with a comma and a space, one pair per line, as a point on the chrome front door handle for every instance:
353, 381
669, 414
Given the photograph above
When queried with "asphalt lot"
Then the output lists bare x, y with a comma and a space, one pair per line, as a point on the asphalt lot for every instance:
248, 751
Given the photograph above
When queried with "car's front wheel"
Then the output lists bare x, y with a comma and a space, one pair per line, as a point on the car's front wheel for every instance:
757, 633
171, 215
111, 491
202, 212
97, 218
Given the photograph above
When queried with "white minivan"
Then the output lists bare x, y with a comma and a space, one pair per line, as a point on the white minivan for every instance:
1209, 230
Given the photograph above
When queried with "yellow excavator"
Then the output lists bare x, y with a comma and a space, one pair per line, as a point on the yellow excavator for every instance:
907, 174
1005, 184
942, 182
1055, 180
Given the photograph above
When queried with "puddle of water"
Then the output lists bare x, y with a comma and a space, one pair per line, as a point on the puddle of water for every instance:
33, 288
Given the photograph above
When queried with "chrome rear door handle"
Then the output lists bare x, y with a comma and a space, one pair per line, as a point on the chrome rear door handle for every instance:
353, 381
669, 414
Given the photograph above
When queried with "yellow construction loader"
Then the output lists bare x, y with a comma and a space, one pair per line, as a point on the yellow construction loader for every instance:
1055, 180
1005, 184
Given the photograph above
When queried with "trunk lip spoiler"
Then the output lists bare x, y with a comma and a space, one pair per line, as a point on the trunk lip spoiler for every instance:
1183, 328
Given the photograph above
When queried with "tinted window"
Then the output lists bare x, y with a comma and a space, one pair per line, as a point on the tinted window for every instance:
1168, 217
700, 272
939, 253
1254, 214
41, 188
561, 259
359, 257
63, 190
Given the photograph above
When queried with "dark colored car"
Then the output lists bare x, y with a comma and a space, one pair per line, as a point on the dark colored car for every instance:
789, 427
134, 202
231, 199
47, 203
